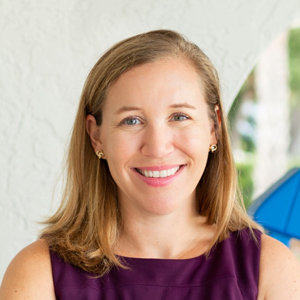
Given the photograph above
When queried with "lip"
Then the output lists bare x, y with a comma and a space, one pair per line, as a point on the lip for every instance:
157, 181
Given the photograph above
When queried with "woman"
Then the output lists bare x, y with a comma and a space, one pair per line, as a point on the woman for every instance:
150, 209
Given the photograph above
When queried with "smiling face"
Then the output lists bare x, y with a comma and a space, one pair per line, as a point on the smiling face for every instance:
156, 134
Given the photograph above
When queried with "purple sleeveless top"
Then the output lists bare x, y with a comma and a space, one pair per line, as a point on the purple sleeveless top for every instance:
230, 273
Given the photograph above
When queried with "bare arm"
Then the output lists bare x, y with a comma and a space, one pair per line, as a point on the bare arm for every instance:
29, 275
279, 272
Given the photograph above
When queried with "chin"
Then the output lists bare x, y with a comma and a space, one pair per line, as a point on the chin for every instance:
163, 207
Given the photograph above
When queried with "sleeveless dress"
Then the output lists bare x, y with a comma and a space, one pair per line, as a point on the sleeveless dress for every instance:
229, 273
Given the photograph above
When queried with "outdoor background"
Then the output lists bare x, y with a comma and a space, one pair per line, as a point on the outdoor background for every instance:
48, 47
265, 118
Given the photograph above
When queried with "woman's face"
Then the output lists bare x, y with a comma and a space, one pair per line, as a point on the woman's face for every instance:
156, 135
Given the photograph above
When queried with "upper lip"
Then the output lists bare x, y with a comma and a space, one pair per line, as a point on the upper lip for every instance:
158, 168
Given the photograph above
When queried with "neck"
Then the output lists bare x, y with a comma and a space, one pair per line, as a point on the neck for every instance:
172, 236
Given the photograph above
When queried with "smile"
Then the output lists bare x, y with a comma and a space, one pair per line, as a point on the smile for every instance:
158, 174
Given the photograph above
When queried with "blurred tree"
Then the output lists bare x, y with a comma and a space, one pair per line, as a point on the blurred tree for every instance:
294, 65
243, 144
245, 181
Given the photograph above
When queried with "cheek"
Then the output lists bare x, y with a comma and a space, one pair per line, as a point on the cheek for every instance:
119, 148
194, 141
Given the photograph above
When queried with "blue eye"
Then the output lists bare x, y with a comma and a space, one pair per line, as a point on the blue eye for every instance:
131, 121
180, 117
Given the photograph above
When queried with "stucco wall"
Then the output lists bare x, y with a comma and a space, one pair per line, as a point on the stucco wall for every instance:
46, 51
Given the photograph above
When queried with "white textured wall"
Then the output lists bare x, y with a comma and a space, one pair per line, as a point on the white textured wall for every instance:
46, 51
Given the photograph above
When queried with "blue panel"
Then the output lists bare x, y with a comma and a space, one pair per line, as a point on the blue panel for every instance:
274, 212
281, 237
293, 226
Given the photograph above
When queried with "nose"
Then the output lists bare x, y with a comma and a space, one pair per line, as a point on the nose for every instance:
158, 141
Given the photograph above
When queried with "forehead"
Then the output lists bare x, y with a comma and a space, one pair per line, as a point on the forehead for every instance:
174, 76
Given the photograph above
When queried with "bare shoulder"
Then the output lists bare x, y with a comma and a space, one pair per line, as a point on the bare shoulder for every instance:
279, 271
29, 275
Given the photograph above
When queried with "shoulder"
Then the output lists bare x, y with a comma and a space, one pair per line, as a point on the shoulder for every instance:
279, 276
29, 275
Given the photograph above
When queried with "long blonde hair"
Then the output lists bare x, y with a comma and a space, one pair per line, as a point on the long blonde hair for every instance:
86, 225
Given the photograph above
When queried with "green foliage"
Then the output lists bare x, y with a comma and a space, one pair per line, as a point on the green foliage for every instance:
246, 89
248, 144
232, 114
245, 182
247, 92
294, 65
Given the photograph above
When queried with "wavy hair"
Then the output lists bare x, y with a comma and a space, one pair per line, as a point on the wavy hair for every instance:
85, 227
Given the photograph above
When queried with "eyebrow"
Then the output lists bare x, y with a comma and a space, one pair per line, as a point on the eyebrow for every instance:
127, 108
134, 108
182, 105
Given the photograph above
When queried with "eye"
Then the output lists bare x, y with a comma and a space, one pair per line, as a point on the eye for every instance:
180, 117
131, 121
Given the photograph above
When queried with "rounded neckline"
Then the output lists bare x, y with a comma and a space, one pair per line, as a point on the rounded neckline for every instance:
150, 259
154, 259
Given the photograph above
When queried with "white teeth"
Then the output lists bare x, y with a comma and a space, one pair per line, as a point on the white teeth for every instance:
163, 173
159, 174
156, 173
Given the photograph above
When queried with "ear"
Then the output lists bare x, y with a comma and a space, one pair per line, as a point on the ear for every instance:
93, 131
218, 115
216, 125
